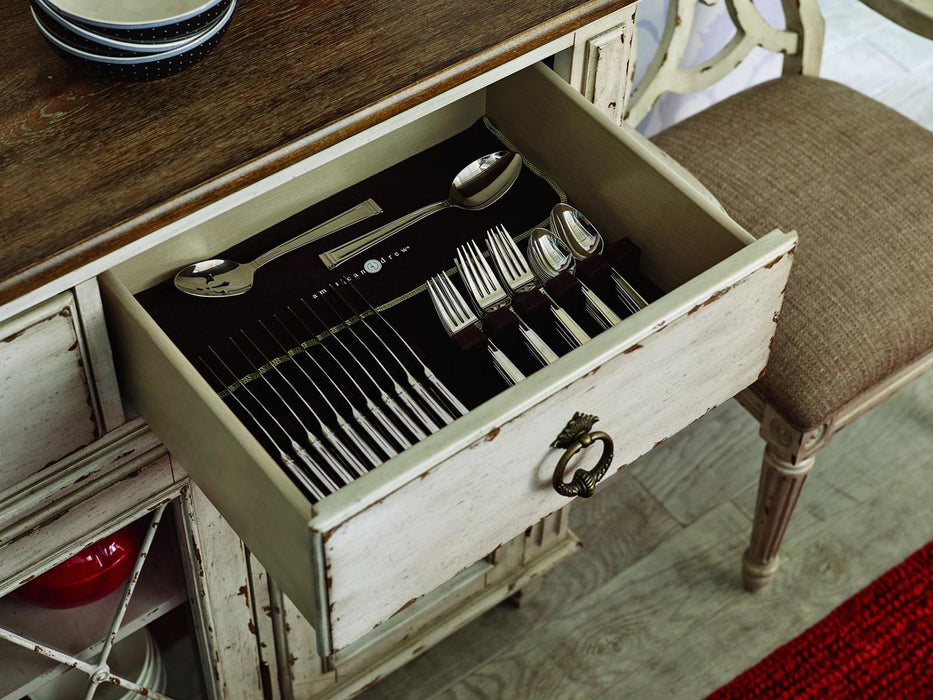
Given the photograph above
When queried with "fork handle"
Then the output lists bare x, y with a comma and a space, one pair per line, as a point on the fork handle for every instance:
625, 289
543, 350
335, 256
569, 325
610, 316
510, 372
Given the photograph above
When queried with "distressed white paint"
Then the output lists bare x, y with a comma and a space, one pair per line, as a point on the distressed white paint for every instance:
47, 408
221, 599
40, 497
84, 522
601, 63
801, 43
689, 243
513, 567
397, 549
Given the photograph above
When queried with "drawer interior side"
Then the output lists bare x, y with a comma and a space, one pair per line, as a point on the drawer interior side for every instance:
624, 184
241, 480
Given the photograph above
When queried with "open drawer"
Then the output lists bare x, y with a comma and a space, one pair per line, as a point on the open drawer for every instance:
353, 560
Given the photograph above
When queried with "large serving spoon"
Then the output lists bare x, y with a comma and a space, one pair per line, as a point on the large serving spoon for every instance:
584, 240
475, 187
226, 278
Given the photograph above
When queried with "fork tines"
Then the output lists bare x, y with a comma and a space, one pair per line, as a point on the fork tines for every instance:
479, 279
452, 309
508, 258
455, 315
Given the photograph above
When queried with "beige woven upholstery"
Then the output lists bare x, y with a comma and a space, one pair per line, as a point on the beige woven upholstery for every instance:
855, 179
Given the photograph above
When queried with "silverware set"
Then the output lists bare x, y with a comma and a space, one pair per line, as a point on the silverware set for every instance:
547, 257
325, 448
335, 400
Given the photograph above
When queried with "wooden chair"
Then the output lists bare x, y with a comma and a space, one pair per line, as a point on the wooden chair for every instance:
855, 179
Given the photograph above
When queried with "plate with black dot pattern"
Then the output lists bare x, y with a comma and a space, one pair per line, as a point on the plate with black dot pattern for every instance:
153, 21
148, 66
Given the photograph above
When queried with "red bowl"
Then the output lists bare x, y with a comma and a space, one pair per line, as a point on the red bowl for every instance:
91, 574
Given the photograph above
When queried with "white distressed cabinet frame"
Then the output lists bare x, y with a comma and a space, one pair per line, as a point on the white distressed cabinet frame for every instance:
720, 273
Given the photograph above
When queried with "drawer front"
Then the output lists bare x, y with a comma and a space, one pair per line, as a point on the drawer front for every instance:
47, 406
646, 380
355, 559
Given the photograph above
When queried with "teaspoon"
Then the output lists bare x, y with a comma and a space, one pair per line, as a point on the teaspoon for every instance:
584, 240
549, 256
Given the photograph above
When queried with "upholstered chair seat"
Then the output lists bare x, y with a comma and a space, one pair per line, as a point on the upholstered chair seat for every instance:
855, 180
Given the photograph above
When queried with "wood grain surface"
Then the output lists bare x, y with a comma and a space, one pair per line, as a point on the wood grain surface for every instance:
90, 164
653, 606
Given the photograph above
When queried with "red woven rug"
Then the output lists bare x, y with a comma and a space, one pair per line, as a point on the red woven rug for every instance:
878, 644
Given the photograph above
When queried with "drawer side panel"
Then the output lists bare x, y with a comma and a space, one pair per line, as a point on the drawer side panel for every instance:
239, 478
625, 184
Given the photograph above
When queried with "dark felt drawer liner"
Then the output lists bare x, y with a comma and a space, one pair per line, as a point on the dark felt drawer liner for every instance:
407, 260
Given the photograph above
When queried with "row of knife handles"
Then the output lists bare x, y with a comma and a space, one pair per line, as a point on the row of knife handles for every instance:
392, 407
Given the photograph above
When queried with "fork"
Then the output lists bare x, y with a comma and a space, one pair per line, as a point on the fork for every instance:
489, 296
455, 315
519, 279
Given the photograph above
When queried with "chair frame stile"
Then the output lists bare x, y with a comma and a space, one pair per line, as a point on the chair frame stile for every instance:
790, 451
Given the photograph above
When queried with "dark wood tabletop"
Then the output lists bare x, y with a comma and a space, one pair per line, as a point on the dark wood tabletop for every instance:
89, 164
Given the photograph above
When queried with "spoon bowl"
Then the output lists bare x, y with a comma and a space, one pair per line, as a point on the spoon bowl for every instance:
547, 255
216, 278
576, 231
584, 241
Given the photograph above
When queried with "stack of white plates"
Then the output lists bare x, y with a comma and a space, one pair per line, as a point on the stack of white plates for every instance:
135, 658
138, 40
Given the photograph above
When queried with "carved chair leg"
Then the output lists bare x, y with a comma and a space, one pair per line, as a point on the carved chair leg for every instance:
778, 490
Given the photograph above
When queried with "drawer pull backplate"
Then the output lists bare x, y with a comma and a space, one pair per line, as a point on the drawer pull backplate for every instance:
573, 438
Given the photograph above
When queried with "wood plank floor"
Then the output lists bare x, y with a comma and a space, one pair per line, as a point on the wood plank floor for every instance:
653, 606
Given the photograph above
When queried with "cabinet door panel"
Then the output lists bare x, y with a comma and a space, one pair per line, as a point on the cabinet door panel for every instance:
47, 406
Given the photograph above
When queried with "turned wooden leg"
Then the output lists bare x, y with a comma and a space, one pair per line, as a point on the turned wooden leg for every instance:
778, 490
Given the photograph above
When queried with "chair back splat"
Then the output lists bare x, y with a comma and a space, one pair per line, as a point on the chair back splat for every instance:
801, 43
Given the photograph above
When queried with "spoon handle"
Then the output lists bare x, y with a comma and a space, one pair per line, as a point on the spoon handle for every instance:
361, 211
334, 257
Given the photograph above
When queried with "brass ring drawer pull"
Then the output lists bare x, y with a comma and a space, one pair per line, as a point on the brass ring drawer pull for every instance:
574, 437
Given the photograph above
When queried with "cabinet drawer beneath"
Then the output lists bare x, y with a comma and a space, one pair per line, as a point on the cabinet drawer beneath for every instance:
363, 554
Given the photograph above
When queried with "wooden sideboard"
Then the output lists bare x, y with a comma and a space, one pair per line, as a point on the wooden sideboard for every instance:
108, 187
